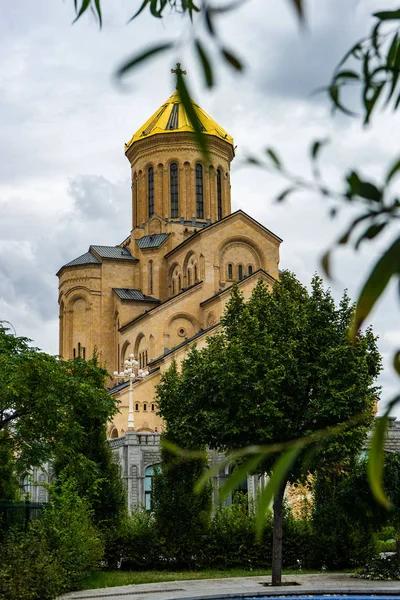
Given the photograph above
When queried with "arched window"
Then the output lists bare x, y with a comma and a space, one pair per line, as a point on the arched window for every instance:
199, 192
148, 483
145, 407
150, 276
219, 193
136, 406
179, 283
250, 270
173, 287
195, 272
230, 271
150, 190
25, 484
153, 408
240, 272
189, 277
173, 174
114, 433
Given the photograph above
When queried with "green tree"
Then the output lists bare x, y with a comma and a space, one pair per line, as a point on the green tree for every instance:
81, 450
182, 516
281, 369
8, 478
58, 410
346, 515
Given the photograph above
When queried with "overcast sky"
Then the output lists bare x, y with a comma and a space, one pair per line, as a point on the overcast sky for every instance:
64, 179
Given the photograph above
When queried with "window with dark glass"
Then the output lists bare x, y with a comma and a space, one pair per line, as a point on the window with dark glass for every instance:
136, 406
179, 283
150, 277
145, 407
150, 177
195, 272
219, 193
189, 278
199, 192
230, 271
250, 270
148, 484
173, 173
240, 272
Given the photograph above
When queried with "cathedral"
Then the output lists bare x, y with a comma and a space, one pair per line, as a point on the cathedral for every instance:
164, 287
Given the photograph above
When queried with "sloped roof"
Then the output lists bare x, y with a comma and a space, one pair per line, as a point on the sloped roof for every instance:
132, 294
171, 117
113, 252
152, 241
85, 259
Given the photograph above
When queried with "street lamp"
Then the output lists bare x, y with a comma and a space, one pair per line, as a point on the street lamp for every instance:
133, 373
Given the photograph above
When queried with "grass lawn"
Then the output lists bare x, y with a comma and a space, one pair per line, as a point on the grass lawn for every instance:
104, 579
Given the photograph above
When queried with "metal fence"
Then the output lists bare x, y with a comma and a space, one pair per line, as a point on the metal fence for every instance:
19, 514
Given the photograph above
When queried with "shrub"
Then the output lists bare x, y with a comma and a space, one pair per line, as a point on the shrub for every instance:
230, 541
386, 568
182, 516
134, 544
55, 553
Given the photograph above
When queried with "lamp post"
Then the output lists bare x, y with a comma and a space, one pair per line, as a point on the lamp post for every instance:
133, 373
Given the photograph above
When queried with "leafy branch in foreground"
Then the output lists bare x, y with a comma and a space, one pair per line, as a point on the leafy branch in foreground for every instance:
372, 66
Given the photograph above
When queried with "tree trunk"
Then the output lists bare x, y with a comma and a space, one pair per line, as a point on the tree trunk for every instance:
277, 535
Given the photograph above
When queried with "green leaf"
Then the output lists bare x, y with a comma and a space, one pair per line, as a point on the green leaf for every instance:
388, 15
370, 103
326, 263
387, 266
84, 6
316, 147
369, 191
334, 94
393, 171
299, 8
141, 9
232, 60
347, 75
273, 156
283, 195
137, 59
98, 10
376, 460
207, 69
279, 472
187, 102
396, 362
371, 232
238, 475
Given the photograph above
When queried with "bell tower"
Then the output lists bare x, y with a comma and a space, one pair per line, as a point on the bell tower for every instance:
170, 177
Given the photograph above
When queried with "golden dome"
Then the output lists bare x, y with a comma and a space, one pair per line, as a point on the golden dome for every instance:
171, 117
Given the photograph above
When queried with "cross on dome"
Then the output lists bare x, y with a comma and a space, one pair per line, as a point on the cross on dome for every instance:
178, 70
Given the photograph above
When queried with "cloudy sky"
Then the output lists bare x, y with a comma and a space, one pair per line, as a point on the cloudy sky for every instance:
64, 179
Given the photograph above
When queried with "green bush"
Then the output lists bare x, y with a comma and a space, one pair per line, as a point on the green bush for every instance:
182, 516
230, 541
134, 544
54, 555
387, 569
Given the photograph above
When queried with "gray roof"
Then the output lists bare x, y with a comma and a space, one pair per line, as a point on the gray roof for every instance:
152, 241
115, 252
131, 294
86, 259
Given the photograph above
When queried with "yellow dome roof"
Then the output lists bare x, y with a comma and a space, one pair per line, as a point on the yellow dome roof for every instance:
171, 117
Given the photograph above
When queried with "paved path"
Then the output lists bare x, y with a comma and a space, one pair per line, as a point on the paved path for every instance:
239, 587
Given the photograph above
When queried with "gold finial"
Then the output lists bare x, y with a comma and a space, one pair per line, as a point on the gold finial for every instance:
178, 70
